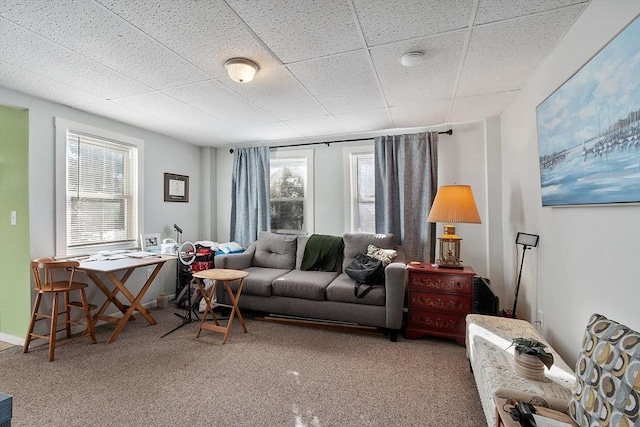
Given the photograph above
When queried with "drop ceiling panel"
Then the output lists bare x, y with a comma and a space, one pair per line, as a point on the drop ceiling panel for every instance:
493, 65
342, 83
164, 107
315, 126
206, 33
277, 92
93, 31
219, 101
364, 121
430, 80
326, 66
125, 114
24, 49
43, 87
298, 30
263, 132
391, 21
481, 106
497, 10
418, 115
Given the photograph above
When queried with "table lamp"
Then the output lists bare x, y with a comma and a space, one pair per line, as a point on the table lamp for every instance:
453, 204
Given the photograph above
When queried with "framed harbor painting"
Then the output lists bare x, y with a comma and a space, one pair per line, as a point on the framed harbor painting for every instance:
589, 129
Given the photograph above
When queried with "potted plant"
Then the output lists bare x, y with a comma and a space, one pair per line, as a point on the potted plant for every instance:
531, 357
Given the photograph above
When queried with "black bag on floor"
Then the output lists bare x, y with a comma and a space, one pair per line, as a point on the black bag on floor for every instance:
365, 270
183, 297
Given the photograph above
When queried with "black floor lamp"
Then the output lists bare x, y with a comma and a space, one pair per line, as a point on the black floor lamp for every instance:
186, 257
527, 241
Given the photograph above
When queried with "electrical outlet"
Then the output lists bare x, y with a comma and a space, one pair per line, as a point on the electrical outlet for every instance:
540, 319
13, 218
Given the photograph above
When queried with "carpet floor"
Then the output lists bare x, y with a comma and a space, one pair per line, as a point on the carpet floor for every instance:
275, 375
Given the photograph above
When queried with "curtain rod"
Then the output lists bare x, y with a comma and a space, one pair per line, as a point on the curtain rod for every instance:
446, 132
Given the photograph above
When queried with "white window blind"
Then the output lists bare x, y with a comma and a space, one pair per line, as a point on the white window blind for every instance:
362, 193
101, 191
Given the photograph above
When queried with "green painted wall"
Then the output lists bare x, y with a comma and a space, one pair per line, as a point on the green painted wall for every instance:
15, 285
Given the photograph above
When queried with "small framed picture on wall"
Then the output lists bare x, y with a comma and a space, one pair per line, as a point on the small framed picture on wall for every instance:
176, 188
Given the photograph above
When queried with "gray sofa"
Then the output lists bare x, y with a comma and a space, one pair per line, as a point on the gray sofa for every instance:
276, 285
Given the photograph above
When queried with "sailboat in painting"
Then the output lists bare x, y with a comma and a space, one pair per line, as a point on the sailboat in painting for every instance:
589, 129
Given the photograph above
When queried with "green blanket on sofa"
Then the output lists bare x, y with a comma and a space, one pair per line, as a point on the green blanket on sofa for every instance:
322, 253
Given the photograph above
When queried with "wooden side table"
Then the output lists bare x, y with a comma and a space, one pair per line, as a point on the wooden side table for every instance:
226, 276
439, 300
503, 416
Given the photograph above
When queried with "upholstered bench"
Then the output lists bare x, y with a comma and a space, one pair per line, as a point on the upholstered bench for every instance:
603, 390
488, 339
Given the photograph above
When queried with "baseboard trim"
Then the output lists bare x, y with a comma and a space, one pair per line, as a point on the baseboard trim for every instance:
76, 329
323, 324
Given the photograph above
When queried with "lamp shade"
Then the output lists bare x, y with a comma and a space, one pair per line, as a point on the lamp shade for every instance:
241, 70
454, 204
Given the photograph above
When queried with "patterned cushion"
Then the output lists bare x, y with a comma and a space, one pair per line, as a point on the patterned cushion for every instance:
385, 255
607, 388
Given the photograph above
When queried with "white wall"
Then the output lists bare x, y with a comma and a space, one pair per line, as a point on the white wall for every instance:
588, 259
162, 154
463, 159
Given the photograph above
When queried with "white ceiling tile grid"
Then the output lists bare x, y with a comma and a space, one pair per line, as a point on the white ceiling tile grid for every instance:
385, 21
433, 79
206, 33
337, 90
329, 69
93, 31
277, 92
27, 50
299, 30
316, 126
501, 56
220, 102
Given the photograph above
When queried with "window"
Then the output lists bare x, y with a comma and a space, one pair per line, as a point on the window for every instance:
360, 206
291, 195
97, 183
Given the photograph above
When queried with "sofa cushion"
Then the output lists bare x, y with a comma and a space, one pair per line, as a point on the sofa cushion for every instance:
342, 290
607, 388
302, 244
303, 284
275, 251
358, 243
259, 280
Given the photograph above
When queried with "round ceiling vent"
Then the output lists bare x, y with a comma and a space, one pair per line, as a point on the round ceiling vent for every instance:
412, 58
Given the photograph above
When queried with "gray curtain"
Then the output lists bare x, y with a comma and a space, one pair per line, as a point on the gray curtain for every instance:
249, 194
406, 181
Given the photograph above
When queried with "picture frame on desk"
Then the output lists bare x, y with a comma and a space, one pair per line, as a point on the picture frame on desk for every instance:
176, 188
150, 242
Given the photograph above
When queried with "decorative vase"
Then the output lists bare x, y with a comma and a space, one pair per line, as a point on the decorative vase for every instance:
529, 366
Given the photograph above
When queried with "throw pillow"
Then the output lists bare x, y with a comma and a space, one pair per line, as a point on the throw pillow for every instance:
385, 255
606, 391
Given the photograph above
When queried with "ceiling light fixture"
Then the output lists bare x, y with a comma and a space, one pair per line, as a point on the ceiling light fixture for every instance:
412, 58
241, 70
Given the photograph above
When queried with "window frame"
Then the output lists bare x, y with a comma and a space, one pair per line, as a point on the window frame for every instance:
61, 128
309, 224
350, 186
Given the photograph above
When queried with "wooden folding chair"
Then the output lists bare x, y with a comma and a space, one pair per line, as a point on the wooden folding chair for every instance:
43, 270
